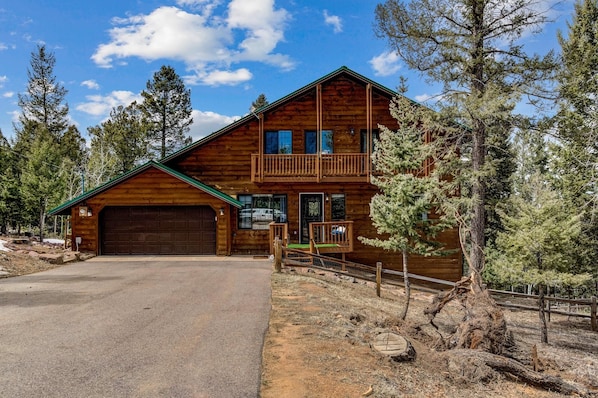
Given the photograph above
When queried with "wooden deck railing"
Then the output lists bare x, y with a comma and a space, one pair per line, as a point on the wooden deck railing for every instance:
331, 237
324, 237
310, 167
281, 231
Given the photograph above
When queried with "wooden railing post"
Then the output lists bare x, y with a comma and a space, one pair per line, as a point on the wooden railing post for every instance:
593, 315
277, 254
378, 277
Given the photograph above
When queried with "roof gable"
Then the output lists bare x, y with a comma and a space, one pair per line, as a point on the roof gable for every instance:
65, 207
264, 109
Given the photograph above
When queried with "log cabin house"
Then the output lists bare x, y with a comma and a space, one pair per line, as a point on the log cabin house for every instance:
301, 165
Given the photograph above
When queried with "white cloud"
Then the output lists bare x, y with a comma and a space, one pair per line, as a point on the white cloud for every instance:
3, 79
205, 123
220, 77
3, 46
101, 106
207, 43
91, 84
424, 97
8, 94
430, 98
333, 20
385, 64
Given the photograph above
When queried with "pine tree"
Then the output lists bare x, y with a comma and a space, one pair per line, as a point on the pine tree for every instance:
539, 230
10, 200
167, 108
470, 47
404, 212
44, 125
259, 102
44, 100
576, 152
41, 185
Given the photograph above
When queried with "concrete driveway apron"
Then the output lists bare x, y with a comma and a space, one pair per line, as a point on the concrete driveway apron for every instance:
136, 327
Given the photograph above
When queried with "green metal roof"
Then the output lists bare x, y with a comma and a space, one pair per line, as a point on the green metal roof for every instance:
62, 209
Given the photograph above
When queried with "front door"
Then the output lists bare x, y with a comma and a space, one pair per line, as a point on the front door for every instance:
311, 207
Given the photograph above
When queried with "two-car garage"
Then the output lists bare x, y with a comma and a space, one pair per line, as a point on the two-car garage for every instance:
158, 230
152, 210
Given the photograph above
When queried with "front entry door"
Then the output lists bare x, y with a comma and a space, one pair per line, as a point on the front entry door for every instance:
312, 210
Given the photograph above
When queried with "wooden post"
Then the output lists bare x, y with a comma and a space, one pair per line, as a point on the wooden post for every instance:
594, 323
378, 277
549, 306
277, 254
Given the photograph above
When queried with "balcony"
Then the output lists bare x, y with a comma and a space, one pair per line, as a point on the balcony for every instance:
334, 167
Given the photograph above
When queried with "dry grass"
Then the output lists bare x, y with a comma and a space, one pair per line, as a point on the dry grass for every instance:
321, 327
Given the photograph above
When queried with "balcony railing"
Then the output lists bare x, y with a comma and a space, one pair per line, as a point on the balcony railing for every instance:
334, 167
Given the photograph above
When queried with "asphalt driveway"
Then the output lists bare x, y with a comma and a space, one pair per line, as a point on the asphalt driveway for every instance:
135, 327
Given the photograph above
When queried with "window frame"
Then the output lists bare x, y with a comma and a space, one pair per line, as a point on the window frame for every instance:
283, 146
253, 218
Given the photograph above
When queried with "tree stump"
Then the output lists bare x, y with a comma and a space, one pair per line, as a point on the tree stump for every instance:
394, 346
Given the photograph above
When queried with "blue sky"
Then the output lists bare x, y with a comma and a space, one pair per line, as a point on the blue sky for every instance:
227, 52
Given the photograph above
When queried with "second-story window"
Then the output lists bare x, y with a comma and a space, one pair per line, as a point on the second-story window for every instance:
326, 143
278, 142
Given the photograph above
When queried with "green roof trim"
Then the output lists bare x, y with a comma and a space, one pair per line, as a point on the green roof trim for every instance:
138, 170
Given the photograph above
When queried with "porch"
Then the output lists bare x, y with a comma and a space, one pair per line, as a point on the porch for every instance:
333, 167
324, 237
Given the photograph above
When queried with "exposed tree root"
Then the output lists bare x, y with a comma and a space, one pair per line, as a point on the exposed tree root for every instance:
484, 326
476, 366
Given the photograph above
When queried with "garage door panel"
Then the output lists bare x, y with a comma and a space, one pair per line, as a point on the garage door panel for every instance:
158, 230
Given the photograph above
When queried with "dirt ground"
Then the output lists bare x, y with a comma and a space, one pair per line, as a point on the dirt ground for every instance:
321, 326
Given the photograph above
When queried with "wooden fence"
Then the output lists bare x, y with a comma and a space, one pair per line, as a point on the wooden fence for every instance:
586, 308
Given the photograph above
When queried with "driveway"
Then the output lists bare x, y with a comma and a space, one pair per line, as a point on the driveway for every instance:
136, 327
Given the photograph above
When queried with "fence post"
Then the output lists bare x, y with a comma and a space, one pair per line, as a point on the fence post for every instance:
593, 312
378, 277
277, 254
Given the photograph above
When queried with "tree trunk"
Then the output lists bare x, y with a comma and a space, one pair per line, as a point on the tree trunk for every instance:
407, 285
542, 314
42, 218
472, 366
478, 220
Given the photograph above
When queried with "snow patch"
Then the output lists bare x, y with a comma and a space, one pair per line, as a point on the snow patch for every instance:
2, 247
54, 241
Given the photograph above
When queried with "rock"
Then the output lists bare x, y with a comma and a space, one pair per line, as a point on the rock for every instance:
70, 256
51, 258
85, 256
394, 346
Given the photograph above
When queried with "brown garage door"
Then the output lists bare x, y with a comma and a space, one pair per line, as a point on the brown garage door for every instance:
158, 230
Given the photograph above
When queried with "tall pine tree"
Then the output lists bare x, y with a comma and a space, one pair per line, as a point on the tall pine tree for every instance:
471, 48
43, 125
577, 150
167, 107
404, 210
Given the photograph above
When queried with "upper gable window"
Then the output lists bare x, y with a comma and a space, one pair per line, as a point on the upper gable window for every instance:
279, 142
